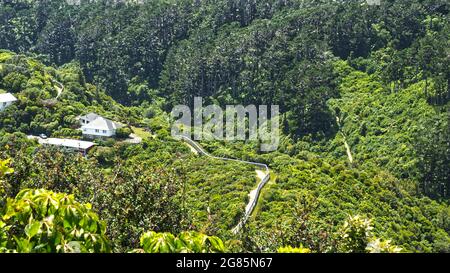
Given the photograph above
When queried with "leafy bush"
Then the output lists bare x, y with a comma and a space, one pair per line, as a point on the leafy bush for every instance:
289, 249
4, 169
44, 221
357, 237
123, 132
185, 242
355, 234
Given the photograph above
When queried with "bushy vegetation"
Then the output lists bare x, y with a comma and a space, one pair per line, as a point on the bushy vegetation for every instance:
185, 242
42, 221
50, 99
364, 95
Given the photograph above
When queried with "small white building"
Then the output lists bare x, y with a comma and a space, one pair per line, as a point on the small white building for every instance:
69, 144
6, 100
100, 127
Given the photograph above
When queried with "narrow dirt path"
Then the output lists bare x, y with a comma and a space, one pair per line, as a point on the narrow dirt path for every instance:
263, 176
193, 150
59, 88
347, 147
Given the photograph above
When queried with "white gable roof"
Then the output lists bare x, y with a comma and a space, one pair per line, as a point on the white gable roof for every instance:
102, 123
8, 97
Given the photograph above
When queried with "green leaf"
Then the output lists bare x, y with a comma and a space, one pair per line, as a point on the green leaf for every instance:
217, 244
32, 229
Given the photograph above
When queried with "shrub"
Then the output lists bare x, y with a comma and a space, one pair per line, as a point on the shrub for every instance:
47, 222
123, 132
290, 249
186, 242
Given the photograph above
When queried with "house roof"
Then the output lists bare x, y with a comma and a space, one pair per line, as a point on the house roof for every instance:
102, 123
69, 143
8, 97
89, 117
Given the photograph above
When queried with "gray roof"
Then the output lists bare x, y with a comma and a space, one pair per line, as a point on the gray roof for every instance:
90, 117
102, 123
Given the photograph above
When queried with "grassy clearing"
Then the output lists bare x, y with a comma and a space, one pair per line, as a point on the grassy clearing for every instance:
141, 133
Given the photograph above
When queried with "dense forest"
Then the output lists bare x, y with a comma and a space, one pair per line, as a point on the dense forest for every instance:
363, 163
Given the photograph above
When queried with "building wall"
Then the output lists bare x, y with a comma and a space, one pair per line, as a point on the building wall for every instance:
3, 105
74, 150
99, 133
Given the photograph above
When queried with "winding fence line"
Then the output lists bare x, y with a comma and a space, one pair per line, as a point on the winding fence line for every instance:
253, 199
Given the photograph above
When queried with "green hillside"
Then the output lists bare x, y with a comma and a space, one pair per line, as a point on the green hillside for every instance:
363, 163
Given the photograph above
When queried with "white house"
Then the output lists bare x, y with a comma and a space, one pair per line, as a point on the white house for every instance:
100, 127
6, 100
